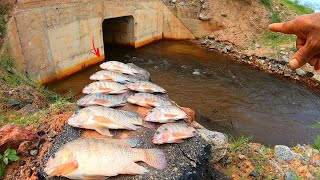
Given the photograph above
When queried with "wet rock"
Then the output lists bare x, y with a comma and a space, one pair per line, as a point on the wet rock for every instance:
204, 17
41, 133
254, 174
285, 59
22, 162
218, 141
11, 136
13, 103
34, 152
284, 154
316, 78
25, 147
300, 72
290, 176
197, 72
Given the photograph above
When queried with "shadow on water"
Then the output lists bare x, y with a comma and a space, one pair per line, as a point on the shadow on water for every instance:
228, 97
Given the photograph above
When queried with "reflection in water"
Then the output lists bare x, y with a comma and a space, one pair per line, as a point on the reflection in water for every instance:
227, 96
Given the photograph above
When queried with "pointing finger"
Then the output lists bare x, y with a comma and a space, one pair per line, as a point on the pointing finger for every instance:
287, 27
304, 55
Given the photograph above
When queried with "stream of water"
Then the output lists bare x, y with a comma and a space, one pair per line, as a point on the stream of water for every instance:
227, 96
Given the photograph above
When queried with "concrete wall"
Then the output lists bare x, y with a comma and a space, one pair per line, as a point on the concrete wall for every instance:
51, 39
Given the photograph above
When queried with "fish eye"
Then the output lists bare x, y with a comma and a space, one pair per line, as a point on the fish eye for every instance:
157, 132
166, 129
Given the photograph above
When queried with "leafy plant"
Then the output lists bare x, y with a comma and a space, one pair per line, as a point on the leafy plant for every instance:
236, 143
10, 155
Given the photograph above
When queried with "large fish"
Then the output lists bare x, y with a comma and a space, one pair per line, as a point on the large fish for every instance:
173, 133
164, 114
103, 100
145, 86
143, 75
119, 67
111, 76
105, 87
102, 119
148, 100
96, 158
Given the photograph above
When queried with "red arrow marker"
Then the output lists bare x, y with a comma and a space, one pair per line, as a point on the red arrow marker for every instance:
96, 51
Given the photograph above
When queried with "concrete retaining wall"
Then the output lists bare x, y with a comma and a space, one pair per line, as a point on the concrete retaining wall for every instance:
51, 39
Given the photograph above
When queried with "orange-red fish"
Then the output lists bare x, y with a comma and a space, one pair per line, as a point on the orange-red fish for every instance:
164, 114
105, 87
173, 133
98, 158
145, 86
148, 100
119, 67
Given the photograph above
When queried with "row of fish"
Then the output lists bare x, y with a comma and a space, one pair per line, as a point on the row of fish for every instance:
96, 158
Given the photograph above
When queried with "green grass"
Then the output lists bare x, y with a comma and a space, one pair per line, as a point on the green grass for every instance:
296, 8
236, 143
275, 40
4, 8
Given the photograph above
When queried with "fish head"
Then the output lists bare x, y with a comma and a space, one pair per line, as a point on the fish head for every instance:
85, 100
62, 157
79, 118
90, 88
94, 76
161, 136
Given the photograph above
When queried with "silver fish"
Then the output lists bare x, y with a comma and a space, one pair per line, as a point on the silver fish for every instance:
102, 119
148, 100
103, 100
105, 87
173, 133
145, 86
111, 76
119, 67
164, 114
96, 158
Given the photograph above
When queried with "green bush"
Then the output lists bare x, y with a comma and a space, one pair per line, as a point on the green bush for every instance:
297, 8
10, 155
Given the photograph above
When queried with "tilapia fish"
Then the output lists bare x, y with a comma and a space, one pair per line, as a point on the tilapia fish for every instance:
103, 100
173, 133
164, 114
119, 67
143, 75
145, 86
102, 119
111, 76
148, 100
96, 158
105, 87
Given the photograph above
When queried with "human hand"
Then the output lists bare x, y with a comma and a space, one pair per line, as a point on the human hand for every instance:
307, 29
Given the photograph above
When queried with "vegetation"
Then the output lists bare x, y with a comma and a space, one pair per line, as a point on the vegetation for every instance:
4, 8
236, 143
296, 8
316, 144
10, 155
275, 40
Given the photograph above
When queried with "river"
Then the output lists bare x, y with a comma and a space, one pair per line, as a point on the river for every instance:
233, 98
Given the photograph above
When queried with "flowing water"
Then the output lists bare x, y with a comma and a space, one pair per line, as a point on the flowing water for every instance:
227, 96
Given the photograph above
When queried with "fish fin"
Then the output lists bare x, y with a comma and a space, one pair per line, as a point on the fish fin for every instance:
102, 119
149, 125
101, 101
132, 127
134, 168
155, 158
64, 169
94, 177
179, 135
170, 115
104, 131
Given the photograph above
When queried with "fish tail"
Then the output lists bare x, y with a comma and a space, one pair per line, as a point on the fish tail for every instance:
155, 158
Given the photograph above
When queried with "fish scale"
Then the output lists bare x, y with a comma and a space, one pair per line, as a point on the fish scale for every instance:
165, 114
111, 76
119, 67
103, 100
148, 100
173, 133
145, 86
